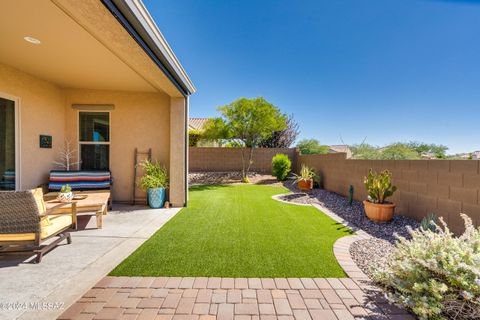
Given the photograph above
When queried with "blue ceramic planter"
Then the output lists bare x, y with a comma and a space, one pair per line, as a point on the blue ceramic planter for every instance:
156, 197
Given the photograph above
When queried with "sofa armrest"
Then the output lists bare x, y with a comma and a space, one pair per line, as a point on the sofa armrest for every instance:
51, 211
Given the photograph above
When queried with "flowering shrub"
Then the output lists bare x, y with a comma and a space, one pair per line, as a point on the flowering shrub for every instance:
436, 274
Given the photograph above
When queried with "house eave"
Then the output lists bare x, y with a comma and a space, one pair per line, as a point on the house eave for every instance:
135, 18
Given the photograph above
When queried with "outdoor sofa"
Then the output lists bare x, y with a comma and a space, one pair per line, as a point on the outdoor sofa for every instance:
26, 224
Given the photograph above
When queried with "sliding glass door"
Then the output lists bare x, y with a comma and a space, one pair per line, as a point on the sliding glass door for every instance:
7, 144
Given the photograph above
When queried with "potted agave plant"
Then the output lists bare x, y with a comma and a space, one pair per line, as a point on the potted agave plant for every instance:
379, 188
304, 180
65, 194
154, 182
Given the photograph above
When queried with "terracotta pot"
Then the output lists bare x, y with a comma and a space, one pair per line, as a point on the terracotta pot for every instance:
305, 184
379, 212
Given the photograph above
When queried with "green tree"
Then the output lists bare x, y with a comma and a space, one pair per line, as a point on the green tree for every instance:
399, 151
364, 151
439, 150
248, 121
193, 137
311, 146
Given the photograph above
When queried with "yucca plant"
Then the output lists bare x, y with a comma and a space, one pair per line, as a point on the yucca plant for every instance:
306, 173
379, 186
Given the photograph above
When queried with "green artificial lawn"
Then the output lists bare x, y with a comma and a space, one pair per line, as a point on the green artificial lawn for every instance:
239, 231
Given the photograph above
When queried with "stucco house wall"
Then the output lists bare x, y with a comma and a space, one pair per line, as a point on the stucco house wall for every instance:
138, 120
42, 111
124, 62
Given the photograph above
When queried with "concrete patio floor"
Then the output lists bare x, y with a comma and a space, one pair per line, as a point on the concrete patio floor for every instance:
68, 271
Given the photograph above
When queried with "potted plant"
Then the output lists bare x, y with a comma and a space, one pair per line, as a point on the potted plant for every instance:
154, 182
65, 194
305, 178
379, 188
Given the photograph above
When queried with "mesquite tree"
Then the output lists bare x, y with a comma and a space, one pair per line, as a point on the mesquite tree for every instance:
248, 121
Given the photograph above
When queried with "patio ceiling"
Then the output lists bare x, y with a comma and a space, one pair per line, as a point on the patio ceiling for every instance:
76, 54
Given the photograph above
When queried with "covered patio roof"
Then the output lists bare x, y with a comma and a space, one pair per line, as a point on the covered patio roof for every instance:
81, 45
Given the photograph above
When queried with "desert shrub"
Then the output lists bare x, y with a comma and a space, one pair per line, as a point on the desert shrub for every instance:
281, 166
435, 274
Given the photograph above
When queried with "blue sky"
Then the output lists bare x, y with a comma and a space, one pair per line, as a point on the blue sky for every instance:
384, 70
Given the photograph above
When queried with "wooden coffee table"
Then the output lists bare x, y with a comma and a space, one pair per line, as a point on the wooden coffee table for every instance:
95, 203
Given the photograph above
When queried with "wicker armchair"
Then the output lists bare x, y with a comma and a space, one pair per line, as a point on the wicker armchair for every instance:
25, 224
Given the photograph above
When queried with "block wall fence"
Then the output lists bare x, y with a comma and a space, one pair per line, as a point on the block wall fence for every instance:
211, 159
443, 187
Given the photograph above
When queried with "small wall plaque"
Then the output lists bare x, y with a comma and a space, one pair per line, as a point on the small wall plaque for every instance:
45, 141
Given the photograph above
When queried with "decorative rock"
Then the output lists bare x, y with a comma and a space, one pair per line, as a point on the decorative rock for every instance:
371, 254
354, 214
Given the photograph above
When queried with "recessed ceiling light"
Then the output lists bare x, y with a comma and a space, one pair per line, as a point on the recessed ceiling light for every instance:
32, 40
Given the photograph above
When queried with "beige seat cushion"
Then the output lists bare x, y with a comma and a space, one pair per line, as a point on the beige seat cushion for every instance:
57, 223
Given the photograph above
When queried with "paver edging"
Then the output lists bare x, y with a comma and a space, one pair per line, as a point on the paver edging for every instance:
278, 197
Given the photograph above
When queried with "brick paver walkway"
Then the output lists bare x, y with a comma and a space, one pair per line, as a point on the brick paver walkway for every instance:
166, 298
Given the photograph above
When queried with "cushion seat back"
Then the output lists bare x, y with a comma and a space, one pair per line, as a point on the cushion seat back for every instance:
80, 180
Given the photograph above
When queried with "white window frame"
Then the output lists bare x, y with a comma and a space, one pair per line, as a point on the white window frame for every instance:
79, 143
18, 176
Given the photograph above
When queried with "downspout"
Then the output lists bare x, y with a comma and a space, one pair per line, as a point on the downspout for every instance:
186, 149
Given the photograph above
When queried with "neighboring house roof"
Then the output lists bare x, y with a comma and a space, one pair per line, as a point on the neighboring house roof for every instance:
337, 148
428, 155
197, 123
135, 18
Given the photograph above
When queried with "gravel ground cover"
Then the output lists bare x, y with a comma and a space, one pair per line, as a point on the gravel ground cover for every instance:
371, 254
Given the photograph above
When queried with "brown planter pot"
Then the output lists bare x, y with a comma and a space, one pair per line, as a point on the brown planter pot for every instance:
379, 212
305, 184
